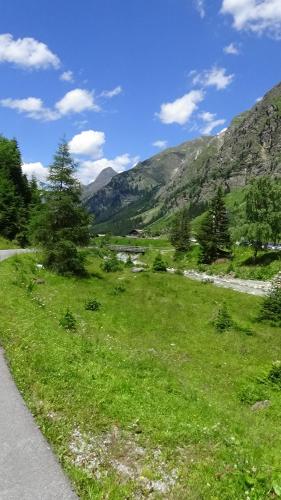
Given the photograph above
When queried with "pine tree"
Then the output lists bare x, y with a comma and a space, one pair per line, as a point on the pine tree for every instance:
213, 235
14, 192
62, 223
180, 231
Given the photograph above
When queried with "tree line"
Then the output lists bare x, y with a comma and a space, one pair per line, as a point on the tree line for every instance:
260, 223
53, 218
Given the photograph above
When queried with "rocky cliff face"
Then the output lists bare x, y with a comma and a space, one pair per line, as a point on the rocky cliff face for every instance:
190, 172
101, 181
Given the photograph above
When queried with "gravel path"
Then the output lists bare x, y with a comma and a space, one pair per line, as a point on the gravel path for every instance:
252, 287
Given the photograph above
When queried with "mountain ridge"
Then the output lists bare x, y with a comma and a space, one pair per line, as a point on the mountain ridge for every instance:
189, 173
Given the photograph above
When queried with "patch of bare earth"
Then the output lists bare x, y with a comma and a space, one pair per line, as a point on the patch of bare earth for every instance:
120, 453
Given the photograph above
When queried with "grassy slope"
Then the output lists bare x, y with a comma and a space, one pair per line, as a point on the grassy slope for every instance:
150, 364
6, 244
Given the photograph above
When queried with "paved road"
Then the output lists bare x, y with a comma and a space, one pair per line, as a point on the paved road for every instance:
28, 467
4, 254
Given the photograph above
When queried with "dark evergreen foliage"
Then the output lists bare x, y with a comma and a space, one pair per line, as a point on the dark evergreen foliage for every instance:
213, 235
180, 231
15, 193
62, 223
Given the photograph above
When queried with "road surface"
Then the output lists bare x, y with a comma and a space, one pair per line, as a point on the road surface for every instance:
28, 467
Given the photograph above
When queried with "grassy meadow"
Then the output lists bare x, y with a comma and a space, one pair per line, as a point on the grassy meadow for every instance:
144, 398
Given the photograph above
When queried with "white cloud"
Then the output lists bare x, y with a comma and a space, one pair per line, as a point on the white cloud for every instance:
200, 6
90, 169
27, 53
67, 76
215, 77
35, 169
112, 93
255, 15
88, 142
211, 122
231, 49
33, 107
76, 101
180, 110
160, 144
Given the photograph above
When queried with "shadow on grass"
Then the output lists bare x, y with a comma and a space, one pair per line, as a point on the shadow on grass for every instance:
262, 260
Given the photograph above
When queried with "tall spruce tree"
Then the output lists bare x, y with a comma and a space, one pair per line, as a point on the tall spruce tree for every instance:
14, 192
180, 231
62, 224
213, 235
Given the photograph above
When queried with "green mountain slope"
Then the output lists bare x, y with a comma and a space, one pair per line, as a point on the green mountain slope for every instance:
190, 173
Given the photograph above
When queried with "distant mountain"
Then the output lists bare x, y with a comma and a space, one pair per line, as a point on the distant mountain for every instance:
189, 173
101, 181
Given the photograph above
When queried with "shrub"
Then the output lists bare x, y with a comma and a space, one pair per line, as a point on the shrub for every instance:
274, 375
271, 307
159, 265
111, 265
68, 321
129, 262
64, 258
223, 320
119, 289
92, 305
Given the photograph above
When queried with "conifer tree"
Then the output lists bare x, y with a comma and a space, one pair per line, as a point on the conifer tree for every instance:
213, 235
62, 224
180, 231
14, 192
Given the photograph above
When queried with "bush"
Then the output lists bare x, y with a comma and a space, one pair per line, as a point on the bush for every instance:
119, 289
111, 265
92, 305
129, 262
64, 258
159, 265
223, 320
271, 307
274, 375
68, 321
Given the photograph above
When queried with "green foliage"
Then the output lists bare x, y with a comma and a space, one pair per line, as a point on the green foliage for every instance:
111, 264
180, 231
262, 213
118, 289
92, 305
159, 264
68, 321
213, 235
274, 375
62, 223
271, 307
15, 193
223, 320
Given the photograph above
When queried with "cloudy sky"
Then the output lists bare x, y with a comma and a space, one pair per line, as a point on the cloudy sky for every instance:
123, 79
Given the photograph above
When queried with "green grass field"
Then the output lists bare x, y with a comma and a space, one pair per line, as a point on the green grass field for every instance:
6, 244
145, 399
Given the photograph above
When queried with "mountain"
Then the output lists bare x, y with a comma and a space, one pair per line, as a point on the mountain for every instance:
189, 173
101, 181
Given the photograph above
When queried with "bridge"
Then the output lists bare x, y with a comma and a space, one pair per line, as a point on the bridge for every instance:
126, 249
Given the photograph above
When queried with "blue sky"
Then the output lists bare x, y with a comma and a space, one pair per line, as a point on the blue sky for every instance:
121, 79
